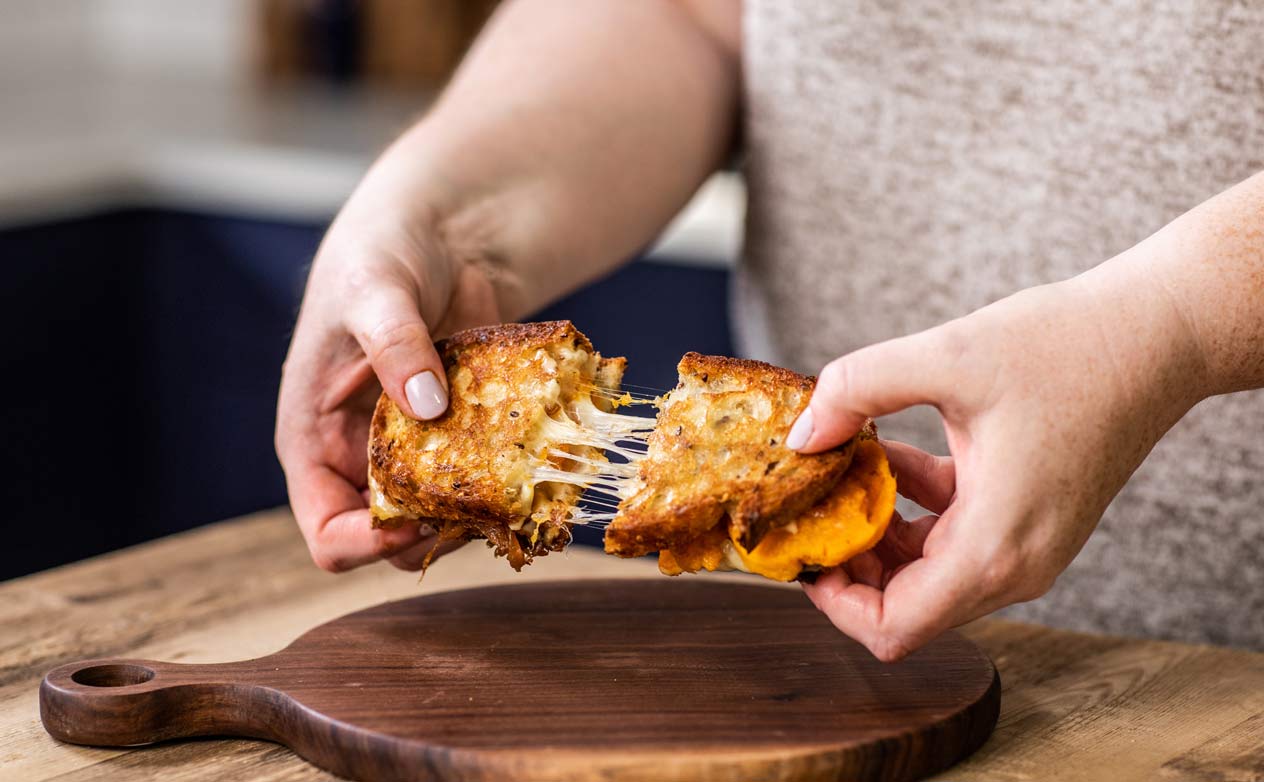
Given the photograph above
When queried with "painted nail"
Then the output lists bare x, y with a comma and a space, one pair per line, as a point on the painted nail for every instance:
425, 395
801, 432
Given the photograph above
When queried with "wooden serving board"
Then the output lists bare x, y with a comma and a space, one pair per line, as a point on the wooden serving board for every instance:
659, 679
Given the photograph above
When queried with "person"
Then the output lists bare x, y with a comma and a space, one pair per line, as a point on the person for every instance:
1041, 227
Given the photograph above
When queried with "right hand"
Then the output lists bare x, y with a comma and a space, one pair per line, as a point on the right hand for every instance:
378, 293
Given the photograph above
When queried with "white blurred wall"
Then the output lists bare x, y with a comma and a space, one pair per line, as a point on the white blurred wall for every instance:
40, 38
212, 39
54, 39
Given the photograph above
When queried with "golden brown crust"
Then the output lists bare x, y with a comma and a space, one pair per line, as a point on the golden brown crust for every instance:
849, 520
757, 373
504, 335
468, 473
718, 450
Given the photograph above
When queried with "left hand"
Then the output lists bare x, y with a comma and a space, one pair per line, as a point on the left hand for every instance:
384, 284
1050, 399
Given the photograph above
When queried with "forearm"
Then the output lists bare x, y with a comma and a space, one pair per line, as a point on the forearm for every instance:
569, 137
1194, 291
1214, 269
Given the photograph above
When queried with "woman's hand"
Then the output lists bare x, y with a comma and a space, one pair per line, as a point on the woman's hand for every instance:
379, 291
496, 203
1050, 399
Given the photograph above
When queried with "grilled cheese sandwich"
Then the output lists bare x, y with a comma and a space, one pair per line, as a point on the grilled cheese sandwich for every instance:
533, 426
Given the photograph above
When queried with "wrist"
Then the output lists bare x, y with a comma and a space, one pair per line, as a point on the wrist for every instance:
405, 219
1146, 332
1211, 260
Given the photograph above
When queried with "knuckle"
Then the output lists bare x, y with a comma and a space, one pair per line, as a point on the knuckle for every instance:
392, 336
951, 342
839, 380
279, 441
926, 470
836, 375
285, 440
951, 347
1014, 581
1001, 575
327, 562
1038, 585
385, 546
361, 278
889, 649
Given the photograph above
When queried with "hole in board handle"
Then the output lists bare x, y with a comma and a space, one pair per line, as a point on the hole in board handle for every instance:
117, 675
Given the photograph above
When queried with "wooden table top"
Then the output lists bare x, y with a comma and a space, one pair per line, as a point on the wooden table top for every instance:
1074, 706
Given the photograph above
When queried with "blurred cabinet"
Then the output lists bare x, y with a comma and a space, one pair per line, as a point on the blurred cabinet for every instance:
397, 43
143, 353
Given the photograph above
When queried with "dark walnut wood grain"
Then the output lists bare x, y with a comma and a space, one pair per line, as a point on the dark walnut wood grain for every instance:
625, 679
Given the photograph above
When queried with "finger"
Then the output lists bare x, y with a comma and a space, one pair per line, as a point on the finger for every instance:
924, 478
336, 523
865, 568
891, 574
420, 556
929, 596
904, 541
386, 323
852, 607
877, 380
349, 540
925, 598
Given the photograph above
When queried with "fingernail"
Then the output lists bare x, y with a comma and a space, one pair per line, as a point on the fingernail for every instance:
425, 395
801, 432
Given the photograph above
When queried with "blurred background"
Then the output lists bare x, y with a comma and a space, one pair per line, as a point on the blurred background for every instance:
167, 169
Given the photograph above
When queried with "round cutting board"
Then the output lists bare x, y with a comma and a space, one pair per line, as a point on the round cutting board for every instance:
579, 680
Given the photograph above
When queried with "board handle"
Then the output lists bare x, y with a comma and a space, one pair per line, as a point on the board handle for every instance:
125, 702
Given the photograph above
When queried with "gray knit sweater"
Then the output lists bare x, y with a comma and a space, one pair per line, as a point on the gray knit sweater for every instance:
910, 162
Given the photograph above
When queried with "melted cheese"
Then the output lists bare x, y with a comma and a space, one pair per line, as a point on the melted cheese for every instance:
613, 424
730, 559
553, 433
562, 446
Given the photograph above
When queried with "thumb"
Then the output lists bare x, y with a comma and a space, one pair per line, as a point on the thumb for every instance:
387, 324
877, 380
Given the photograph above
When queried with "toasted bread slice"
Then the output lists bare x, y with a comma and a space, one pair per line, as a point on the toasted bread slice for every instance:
718, 450
518, 394
851, 519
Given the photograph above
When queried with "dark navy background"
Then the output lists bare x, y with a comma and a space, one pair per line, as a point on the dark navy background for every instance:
143, 351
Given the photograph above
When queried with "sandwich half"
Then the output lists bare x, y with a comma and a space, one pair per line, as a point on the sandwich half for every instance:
718, 490
510, 458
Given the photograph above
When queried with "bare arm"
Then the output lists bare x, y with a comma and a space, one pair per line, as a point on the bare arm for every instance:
569, 137
1210, 262
567, 140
